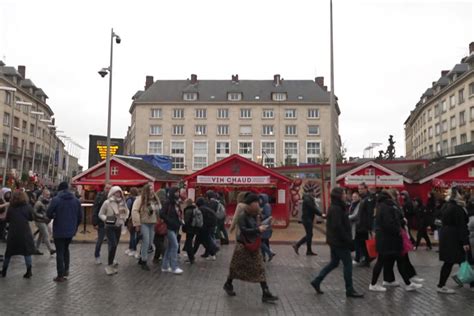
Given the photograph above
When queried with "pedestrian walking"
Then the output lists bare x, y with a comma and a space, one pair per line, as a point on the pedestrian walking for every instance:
5, 195
453, 237
239, 210
409, 213
145, 212
193, 222
42, 221
113, 213
310, 210
132, 244
97, 223
247, 260
219, 209
172, 216
354, 219
338, 235
207, 230
423, 220
65, 211
266, 217
20, 238
364, 225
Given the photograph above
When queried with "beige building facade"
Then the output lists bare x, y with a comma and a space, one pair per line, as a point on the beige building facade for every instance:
198, 122
442, 122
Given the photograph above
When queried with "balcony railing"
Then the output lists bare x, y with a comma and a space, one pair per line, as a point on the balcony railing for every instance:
456, 150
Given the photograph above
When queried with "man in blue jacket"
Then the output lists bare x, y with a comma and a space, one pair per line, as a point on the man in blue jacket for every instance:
65, 211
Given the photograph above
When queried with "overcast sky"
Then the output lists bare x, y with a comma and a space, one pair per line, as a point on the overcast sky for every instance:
386, 53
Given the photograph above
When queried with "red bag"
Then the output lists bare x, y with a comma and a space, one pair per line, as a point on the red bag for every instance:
371, 248
407, 245
253, 246
160, 228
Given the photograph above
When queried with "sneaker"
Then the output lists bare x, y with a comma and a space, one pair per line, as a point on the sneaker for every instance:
211, 258
413, 287
131, 253
109, 270
445, 290
137, 255
115, 270
391, 284
178, 271
354, 263
59, 279
417, 279
98, 261
166, 270
377, 288
116, 263
127, 252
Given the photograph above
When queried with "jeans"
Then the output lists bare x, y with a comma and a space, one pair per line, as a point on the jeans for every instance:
100, 240
265, 247
308, 238
204, 237
28, 262
188, 246
159, 242
338, 254
171, 253
62, 255
3, 226
221, 229
43, 236
113, 237
132, 244
360, 247
148, 233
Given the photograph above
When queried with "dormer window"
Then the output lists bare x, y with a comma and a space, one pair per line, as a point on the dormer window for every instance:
279, 96
190, 96
234, 96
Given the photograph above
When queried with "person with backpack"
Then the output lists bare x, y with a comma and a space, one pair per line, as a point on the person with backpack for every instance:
219, 209
193, 222
97, 223
5, 195
172, 216
42, 221
132, 244
204, 236
266, 215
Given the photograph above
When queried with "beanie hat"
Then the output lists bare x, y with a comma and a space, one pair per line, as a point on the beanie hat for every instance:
250, 198
63, 186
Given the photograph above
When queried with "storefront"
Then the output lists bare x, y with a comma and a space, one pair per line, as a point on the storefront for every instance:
236, 174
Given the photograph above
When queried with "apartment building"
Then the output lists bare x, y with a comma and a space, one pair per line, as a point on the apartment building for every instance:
442, 122
26, 116
198, 122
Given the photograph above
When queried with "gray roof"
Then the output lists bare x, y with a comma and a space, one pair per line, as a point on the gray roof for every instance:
27, 83
9, 71
459, 69
40, 93
151, 170
2, 63
428, 92
216, 90
443, 81
137, 94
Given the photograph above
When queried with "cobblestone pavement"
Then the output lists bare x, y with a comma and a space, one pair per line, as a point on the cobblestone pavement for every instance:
199, 290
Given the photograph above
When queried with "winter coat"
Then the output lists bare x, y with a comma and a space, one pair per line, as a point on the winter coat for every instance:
423, 217
453, 234
338, 227
20, 239
171, 215
113, 208
248, 226
209, 218
309, 209
354, 217
266, 213
65, 210
188, 220
39, 211
145, 215
239, 210
366, 214
99, 200
387, 227
3, 210
470, 226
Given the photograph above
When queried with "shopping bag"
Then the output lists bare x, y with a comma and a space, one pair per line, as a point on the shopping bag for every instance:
436, 235
465, 273
407, 245
371, 248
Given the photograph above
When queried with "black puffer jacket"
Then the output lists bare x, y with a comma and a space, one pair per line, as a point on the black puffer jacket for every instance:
171, 213
387, 226
453, 234
309, 209
338, 227
366, 213
248, 226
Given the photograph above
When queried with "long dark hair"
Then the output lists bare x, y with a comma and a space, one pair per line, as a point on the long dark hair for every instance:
19, 198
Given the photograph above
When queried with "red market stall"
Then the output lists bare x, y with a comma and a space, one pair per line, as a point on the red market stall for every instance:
236, 174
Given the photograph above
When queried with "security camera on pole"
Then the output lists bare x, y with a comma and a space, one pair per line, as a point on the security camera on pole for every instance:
103, 72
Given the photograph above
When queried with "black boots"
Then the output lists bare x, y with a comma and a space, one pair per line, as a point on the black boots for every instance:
354, 294
268, 297
229, 289
144, 265
4, 272
295, 248
28, 273
311, 253
317, 286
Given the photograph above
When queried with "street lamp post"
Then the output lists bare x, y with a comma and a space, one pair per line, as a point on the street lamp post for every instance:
35, 135
103, 72
25, 143
7, 151
332, 139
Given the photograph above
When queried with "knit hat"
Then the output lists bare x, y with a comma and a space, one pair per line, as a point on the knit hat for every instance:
250, 198
63, 186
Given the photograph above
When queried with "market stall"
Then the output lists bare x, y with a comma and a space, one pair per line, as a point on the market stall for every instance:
236, 174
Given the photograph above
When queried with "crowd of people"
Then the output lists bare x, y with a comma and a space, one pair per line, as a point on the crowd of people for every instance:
157, 220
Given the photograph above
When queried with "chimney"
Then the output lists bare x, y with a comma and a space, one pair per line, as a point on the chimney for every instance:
471, 48
22, 71
235, 78
319, 81
148, 82
194, 79
444, 73
276, 80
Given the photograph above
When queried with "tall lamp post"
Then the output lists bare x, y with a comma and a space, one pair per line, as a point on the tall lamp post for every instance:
332, 111
35, 135
7, 151
25, 143
103, 72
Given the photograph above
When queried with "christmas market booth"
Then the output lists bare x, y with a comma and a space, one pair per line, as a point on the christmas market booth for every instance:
236, 174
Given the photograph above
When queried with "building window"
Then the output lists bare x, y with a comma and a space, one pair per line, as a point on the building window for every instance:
16, 123
155, 113
6, 119
201, 113
222, 149
199, 155
453, 122
313, 151
437, 110
190, 96
268, 114
222, 113
472, 136
438, 147
290, 129
245, 130
279, 96
313, 113
8, 98
246, 149
463, 138
444, 126
290, 113
200, 130
155, 147
471, 88
313, 130
430, 132
471, 113
178, 154
462, 118
453, 142
234, 96
269, 154
178, 113
437, 129
178, 129
461, 96
430, 115
155, 130
444, 106
32, 129
267, 130
245, 113
290, 153
222, 129
452, 100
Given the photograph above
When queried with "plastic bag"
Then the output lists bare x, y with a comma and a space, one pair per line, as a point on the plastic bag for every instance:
371, 248
465, 273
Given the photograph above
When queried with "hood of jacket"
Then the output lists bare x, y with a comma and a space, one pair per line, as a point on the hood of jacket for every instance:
66, 195
4, 191
114, 190
171, 195
265, 199
383, 197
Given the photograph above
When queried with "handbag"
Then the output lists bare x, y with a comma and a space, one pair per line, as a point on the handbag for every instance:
160, 228
110, 220
253, 246
371, 248
407, 245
